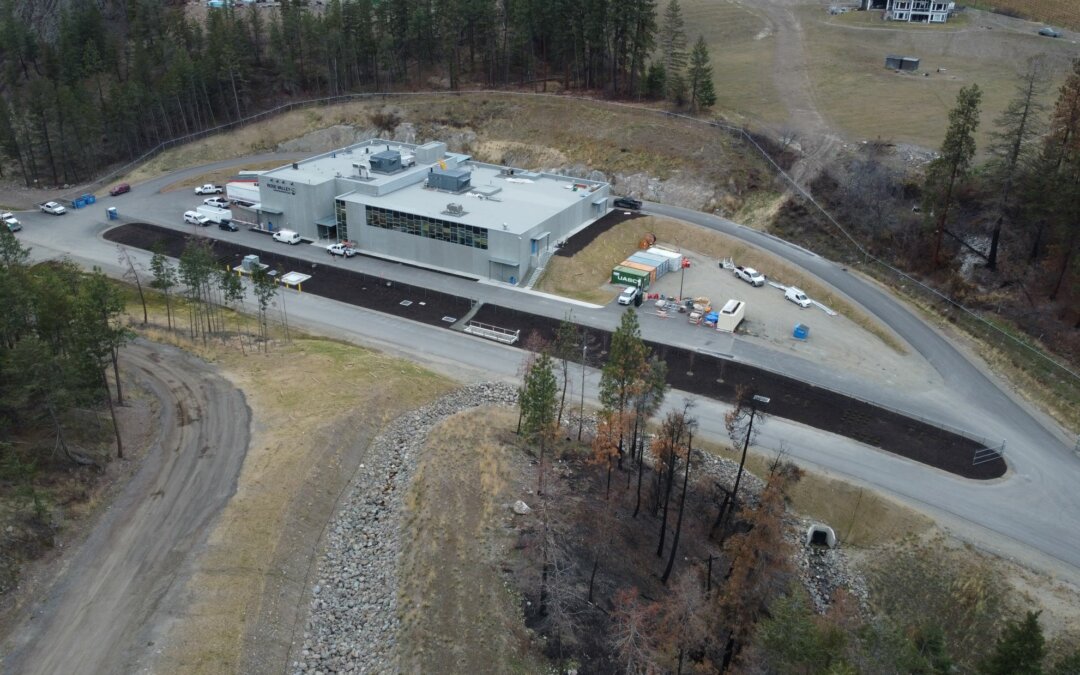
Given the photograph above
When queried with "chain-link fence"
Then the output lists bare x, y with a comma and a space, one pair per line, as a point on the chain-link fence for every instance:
1059, 378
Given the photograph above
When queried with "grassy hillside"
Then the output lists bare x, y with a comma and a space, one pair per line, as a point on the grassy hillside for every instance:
1064, 13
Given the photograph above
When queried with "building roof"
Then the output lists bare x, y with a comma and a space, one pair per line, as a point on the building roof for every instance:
519, 201
342, 164
497, 196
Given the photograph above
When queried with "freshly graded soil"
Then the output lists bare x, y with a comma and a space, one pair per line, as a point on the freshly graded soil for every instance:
579, 241
698, 373
792, 399
355, 288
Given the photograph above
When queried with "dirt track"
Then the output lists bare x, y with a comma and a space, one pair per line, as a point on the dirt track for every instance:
104, 612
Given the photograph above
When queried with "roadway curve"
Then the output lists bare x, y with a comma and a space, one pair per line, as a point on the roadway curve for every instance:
1033, 510
123, 585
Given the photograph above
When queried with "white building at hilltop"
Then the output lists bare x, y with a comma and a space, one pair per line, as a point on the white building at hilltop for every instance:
914, 11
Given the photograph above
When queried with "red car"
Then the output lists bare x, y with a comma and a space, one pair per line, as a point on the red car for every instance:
120, 189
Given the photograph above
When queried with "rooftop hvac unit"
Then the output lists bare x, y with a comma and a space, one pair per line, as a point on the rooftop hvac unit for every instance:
455, 209
249, 263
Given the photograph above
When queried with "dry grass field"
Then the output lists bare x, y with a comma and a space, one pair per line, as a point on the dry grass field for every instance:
859, 96
245, 589
844, 61
459, 614
741, 46
1064, 13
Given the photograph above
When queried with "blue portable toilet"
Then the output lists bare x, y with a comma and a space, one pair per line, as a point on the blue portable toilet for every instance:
111, 213
88, 199
801, 331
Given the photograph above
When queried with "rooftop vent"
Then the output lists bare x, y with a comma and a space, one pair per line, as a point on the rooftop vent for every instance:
453, 209
387, 161
450, 180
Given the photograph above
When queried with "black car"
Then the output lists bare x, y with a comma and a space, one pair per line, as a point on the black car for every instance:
226, 225
627, 203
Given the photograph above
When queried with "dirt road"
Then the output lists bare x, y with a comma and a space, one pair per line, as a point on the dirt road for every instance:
110, 604
817, 139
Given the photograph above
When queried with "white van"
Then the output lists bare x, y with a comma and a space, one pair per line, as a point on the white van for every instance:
798, 297
287, 237
196, 218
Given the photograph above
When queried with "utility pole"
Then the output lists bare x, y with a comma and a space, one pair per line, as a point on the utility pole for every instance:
581, 412
763, 400
682, 276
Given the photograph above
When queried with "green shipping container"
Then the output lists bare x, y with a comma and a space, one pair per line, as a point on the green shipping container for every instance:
624, 276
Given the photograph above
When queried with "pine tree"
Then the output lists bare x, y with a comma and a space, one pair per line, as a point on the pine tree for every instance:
954, 162
624, 368
673, 47
1019, 650
539, 403
701, 90
1012, 145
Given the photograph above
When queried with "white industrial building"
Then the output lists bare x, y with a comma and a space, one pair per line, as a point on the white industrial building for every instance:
423, 205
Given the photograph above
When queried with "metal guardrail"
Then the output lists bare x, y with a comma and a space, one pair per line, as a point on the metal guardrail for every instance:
984, 455
738, 131
486, 330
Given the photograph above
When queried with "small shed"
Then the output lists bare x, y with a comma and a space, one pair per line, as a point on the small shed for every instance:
909, 63
731, 315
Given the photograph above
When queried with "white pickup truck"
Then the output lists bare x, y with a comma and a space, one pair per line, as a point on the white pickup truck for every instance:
52, 207
749, 275
209, 189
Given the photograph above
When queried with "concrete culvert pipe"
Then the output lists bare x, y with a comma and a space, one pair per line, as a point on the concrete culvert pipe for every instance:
820, 535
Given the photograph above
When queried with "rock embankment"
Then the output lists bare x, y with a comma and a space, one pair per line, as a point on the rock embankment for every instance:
353, 619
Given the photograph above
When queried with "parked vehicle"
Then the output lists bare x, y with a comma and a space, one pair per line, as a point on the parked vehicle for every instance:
215, 214
209, 189
1047, 31
196, 218
749, 275
120, 189
628, 295
217, 202
11, 221
627, 203
287, 237
798, 297
229, 226
343, 250
53, 208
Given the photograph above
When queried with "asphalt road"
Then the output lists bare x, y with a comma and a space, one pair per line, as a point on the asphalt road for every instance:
1032, 513
123, 585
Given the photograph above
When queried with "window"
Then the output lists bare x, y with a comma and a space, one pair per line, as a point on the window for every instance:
342, 221
422, 226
